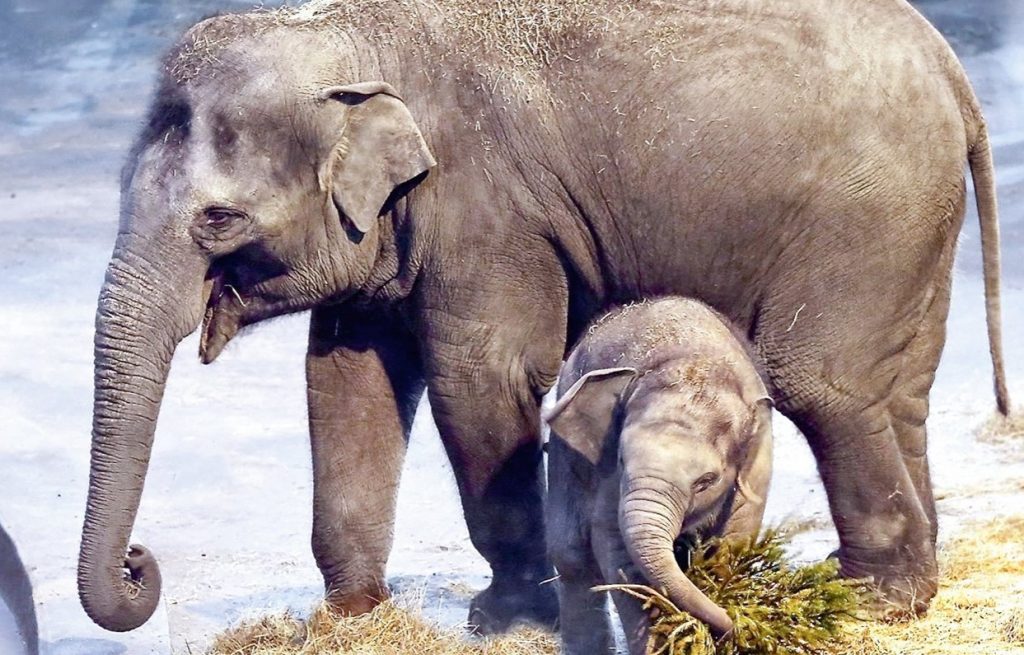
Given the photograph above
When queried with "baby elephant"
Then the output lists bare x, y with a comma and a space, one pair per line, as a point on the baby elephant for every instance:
662, 429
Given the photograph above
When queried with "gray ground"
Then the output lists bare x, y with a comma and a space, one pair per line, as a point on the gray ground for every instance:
74, 80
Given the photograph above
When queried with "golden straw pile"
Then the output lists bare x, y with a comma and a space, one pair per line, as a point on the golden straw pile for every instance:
980, 606
393, 628
979, 611
1003, 429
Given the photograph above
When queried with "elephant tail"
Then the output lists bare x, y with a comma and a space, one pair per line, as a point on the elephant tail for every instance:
979, 157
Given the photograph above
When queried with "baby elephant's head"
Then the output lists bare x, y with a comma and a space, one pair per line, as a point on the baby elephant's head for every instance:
685, 442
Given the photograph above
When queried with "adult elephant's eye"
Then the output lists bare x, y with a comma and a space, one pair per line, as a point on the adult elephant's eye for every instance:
219, 217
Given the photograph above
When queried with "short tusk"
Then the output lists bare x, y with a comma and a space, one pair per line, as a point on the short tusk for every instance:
747, 492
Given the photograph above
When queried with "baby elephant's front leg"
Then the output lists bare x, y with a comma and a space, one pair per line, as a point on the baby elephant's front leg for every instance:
583, 614
617, 567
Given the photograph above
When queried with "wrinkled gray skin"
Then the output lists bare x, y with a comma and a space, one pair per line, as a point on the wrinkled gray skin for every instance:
454, 195
662, 429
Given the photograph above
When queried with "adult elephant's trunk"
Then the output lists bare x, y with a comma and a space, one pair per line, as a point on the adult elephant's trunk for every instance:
144, 310
651, 515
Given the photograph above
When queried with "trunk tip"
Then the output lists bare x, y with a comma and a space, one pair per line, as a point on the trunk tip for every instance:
130, 596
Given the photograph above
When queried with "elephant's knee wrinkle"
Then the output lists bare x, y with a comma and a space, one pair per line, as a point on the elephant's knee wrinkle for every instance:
541, 380
883, 532
523, 389
903, 526
909, 412
913, 451
528, 378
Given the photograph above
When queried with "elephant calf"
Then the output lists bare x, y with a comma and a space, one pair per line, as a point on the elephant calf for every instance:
662, 429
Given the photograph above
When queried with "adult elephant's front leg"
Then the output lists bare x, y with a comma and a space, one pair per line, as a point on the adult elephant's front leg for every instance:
493, 441
364, 381
486, 378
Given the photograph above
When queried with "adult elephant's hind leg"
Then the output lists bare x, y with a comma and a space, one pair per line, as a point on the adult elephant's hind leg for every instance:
909, 406
885, 531
364, 381
846, 392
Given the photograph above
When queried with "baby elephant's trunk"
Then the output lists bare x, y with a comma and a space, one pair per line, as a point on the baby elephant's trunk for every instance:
650, 516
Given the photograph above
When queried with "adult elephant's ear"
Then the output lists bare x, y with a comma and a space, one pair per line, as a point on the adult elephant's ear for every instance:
379, 148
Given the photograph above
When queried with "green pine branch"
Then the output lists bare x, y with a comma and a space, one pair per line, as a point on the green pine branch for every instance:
777, 609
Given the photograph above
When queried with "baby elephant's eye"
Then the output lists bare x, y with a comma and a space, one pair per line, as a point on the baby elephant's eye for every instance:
705, 482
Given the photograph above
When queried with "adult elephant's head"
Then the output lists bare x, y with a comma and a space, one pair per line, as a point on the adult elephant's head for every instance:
255, 189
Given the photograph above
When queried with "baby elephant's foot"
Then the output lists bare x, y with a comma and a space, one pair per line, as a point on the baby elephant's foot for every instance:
504, 605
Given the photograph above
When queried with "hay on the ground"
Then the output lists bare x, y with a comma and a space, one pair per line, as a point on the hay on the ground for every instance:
392, 628
979, 610
1003, 428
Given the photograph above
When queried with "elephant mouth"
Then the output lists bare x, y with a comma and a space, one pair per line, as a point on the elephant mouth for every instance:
240, 289
699, 525
694, 532
222, 318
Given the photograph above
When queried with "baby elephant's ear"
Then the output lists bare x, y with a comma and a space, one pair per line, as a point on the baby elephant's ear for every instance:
583, 416
380, 147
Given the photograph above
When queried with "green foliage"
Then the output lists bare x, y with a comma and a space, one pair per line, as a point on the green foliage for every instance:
777, 609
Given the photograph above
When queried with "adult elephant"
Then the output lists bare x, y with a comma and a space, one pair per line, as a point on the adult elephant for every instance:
454, 188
